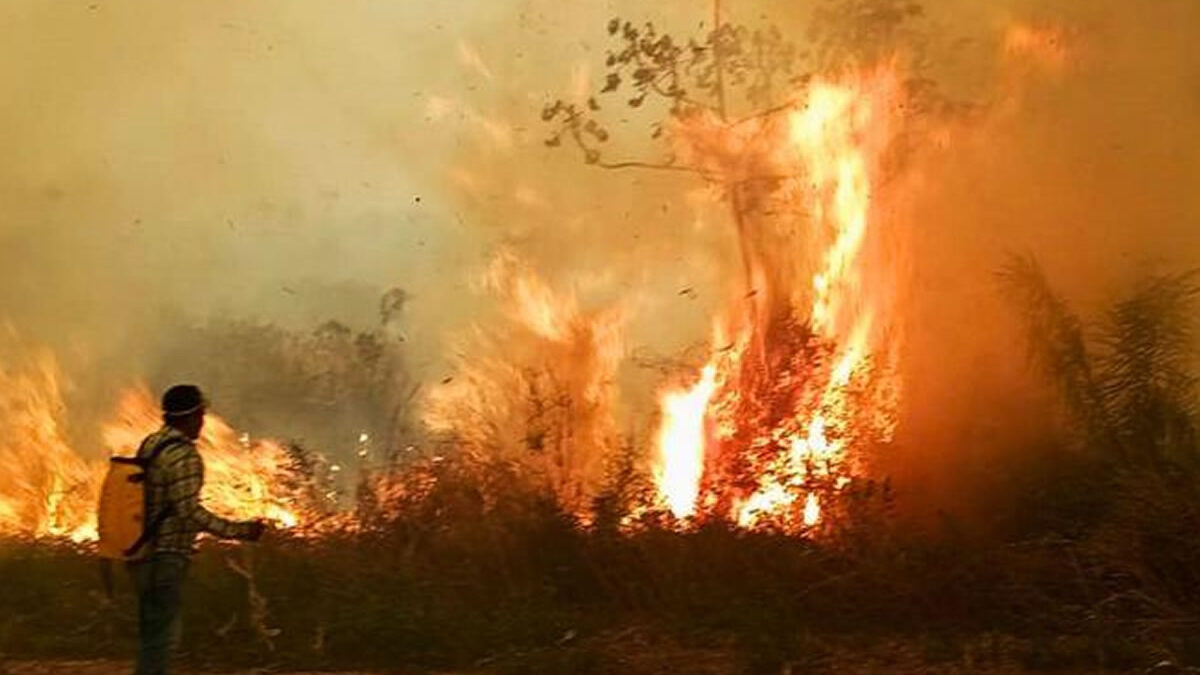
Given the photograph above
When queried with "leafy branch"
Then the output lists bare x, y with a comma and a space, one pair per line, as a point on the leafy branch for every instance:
699, 76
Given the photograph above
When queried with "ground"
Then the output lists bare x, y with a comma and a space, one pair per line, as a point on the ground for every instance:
92, 668
849, 668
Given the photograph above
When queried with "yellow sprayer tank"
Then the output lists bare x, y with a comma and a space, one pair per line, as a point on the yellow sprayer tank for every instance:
121, 512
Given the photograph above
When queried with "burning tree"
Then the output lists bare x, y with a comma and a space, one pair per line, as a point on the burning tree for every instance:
801, 375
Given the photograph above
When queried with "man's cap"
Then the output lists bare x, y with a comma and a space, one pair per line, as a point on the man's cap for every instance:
182, 400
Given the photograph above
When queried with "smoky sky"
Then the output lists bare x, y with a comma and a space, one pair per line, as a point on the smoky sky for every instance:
289, 161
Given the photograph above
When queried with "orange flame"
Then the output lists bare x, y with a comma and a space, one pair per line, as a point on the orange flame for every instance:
49, 490
45, 488
834, 141
681, 443
537, 391
244, 479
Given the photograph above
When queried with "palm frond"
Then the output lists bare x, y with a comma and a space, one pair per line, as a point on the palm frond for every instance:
1056, 344
1146, 364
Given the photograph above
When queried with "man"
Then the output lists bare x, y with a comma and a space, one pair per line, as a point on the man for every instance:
174, 517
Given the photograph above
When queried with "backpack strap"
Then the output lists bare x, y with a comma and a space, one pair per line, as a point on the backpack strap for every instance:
150, 529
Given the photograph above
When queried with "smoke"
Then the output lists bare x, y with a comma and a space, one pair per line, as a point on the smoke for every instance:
1079, 155
170, 163
290, 162
220, 159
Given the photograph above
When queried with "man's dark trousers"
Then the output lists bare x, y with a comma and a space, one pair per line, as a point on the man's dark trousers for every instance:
159, 584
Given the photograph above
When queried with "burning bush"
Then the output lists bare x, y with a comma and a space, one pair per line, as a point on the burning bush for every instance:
538, 396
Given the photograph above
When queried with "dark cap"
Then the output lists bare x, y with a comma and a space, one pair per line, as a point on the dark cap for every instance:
182, 400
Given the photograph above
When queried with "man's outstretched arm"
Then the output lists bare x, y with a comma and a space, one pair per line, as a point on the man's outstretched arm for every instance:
183, 491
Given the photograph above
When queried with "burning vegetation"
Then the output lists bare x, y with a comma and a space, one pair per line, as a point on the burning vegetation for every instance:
518, 482
52, 491
801, 377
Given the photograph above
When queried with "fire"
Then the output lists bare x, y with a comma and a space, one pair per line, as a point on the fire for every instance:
49, 490
537, 392
831, 134
681, 444
801, 366
244, 479
45, 487
778, 400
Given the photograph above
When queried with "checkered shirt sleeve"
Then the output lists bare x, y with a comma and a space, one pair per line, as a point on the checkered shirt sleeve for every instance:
183, 480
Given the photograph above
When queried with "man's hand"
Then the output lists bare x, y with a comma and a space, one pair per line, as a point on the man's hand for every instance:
256, 530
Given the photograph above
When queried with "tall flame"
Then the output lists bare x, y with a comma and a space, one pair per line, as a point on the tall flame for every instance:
834, 141
681, 444
45, 488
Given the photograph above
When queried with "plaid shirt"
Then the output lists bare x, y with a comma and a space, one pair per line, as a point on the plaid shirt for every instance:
174, 480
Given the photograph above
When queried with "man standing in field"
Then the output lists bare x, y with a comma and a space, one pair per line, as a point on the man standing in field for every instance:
174, 517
